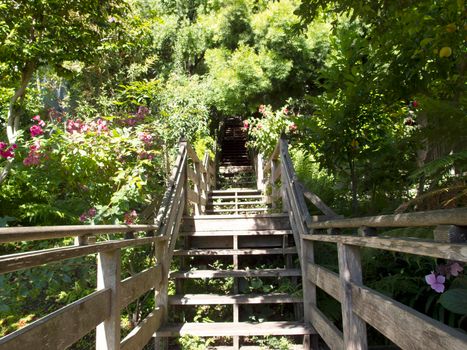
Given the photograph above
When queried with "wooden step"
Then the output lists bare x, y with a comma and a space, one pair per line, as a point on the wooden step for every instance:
259, 196
241, 222
235, 203
235, 299
236, 210
236, 273
223, 192
229, 329
255, 347
247, 251
236, 233
252, 347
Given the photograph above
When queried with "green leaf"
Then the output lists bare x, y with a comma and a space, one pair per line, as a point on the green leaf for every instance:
455, 300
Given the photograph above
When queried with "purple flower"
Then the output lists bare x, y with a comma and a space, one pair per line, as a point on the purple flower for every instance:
83, 217
436, 282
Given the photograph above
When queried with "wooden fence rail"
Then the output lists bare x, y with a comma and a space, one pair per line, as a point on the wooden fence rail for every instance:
186, 193
404, 326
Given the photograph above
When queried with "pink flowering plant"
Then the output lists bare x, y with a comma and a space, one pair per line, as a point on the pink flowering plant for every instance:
264, 131
77, 169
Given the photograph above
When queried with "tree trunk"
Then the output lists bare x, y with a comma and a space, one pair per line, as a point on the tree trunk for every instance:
13, 118
354, 185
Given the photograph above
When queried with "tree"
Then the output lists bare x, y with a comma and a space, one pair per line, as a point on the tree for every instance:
48, 32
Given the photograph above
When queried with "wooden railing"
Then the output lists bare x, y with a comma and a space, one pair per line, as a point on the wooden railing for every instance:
101, 310
404, 326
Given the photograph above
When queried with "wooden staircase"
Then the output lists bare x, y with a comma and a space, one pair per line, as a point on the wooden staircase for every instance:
245, 244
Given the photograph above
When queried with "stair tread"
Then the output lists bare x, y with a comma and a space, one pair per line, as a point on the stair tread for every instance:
253, 347
217, 299
226, 329
243, 251
236, 233
235, 203
236, 217
236, 273
236, 210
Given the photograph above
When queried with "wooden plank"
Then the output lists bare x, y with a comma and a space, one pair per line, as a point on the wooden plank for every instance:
214, 299
15, 262
316, 201
240, 223
192, 196
238, 210
138, 284
192, 154
229, 329
276, 174
237, 233
61, 328
350, 270
249, 251
325, 279
253, 196
274, 156
331, 335
35, 233
236, 203
236, 273
143, 332
108, 277
450, 251
176, 180
456, 216
403, 325
191, 174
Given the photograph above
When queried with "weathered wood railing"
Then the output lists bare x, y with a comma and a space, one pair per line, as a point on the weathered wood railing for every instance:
102, 309
404, 326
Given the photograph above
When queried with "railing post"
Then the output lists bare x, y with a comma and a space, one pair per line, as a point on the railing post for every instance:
309, 290
283, 149
350, 270
108, 277
161, 298
259, 172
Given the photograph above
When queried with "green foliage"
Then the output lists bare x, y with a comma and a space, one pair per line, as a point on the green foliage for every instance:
455, 300
276, 343
188, 342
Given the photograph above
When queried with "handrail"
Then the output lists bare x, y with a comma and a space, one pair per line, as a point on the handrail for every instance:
186, 192
360, 305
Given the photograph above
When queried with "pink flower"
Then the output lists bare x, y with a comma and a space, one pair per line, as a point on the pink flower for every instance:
293, 127
92, 212
7, 152
130, 217
260, 126
246, 124
436, 282
33, 157
145, 137
415, 104
455, 268
262, 109
285, 111
36, 130
83, 217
